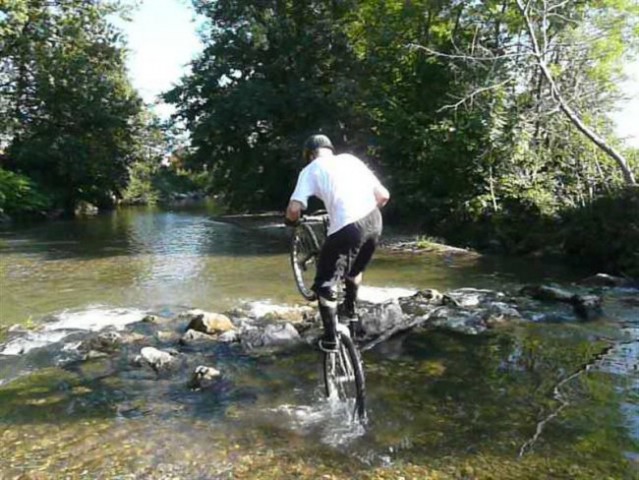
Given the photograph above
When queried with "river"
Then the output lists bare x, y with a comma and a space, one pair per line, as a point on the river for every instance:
441, 405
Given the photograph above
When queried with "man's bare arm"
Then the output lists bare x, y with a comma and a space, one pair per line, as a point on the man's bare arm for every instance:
382, 196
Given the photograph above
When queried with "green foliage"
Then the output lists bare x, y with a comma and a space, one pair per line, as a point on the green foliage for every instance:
605, 233
19, 196
270, 74
443, 100
158, 171
68, 111
140, 189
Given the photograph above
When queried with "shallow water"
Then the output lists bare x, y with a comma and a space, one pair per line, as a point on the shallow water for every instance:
440, 405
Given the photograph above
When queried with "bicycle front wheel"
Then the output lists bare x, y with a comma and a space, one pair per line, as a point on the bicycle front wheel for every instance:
344, 376
304, 255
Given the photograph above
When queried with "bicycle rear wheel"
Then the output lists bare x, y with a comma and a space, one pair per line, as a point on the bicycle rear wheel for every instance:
305, 251
344, 376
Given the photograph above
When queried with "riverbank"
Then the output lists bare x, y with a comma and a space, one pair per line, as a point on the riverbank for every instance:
602, 235
272, 223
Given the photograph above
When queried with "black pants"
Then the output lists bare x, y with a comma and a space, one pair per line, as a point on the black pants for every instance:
347, 252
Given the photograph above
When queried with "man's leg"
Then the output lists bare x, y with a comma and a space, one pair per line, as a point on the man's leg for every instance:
333, 263
370, 228
351, 289
327, 304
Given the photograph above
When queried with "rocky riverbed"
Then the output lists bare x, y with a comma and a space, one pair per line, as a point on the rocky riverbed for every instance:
163, 342
466, 383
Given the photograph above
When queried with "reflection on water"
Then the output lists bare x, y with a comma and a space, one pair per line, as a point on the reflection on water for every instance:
148, 258
136, 258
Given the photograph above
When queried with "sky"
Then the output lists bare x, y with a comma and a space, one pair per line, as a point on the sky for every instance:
162, 39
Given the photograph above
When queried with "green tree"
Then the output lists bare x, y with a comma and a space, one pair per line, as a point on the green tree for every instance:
271, 73
69, 112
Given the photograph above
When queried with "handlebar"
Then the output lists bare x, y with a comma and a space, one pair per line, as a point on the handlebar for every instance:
319, 216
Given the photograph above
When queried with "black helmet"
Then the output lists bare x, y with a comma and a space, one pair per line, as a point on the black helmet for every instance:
314, 142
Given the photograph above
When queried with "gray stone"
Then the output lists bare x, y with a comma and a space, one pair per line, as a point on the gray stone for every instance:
422, 302
587, 307
272, 335
229, 337
380, 318
156, 359
192, 337
458, 320
203, 377
93, 354
605, 280
107, 341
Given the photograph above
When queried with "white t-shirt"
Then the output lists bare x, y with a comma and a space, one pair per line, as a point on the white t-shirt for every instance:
345, 185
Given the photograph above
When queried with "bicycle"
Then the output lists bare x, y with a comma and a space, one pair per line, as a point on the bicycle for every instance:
306, 243
342, 366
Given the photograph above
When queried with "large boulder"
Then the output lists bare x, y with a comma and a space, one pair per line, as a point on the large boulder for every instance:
272, 335
207, 322
380, 318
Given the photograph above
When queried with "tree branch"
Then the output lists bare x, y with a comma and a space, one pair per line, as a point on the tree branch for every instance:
491, 58
568, 111
474, 94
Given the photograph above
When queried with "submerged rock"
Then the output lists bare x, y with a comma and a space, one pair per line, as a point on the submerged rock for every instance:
585, 307
547, 293
605, 280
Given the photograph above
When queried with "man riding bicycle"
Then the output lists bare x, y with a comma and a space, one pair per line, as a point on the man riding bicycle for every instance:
352, 195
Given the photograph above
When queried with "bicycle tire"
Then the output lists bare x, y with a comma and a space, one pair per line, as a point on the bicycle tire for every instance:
344, 376
304, 254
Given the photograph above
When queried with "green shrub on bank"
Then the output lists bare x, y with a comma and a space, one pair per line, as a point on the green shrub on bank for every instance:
605, 234
140, 190
149, 184
20, 197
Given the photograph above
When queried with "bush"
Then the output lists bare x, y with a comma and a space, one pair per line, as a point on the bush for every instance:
20, 197
606, 233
